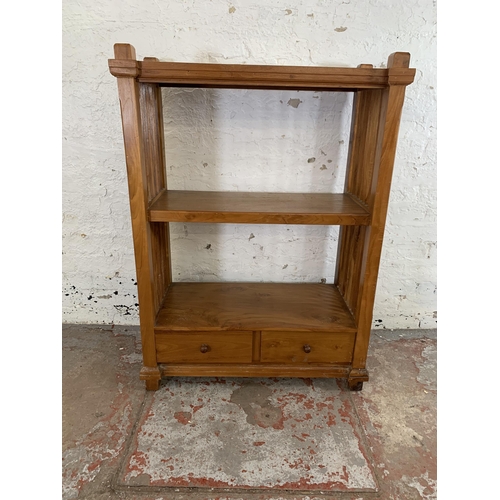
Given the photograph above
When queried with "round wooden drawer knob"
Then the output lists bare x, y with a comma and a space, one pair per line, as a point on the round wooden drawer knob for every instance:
204, 348
307, 348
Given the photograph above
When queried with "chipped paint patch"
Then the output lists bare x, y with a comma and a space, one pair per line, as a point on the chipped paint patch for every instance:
294, 103
425, 485
258, 433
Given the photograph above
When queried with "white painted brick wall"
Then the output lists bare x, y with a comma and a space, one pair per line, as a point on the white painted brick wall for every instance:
244, 140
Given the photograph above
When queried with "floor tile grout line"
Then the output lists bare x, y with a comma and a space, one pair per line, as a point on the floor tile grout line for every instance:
115, 484
365, 440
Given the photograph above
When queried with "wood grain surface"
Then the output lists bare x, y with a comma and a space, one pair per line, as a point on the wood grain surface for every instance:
254, 370
254, 306
359, 180
220, 347
179, 74
258, 208
154, 166
324, 347
251, 76
390, 107
128, 92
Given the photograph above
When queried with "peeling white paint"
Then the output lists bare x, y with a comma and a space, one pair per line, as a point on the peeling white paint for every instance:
425, 485
243, 140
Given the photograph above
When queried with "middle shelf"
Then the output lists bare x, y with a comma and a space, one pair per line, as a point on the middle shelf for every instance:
258, 208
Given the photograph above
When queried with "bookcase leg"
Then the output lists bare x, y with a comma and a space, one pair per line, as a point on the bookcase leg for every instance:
142, 126
356, 379
374, 132
354, 385
152, 376
152, 385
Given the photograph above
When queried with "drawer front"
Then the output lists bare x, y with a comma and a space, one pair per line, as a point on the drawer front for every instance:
306, 347
204, 347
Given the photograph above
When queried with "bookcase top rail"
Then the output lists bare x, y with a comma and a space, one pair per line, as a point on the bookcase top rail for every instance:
178, 74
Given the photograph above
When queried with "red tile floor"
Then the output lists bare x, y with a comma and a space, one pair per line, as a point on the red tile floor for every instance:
252, 439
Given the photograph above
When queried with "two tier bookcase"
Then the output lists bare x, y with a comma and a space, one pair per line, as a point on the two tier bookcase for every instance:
259, 329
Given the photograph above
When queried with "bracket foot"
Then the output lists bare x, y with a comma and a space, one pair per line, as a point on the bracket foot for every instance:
152, 376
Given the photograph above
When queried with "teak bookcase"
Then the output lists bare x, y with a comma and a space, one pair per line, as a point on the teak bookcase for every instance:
259, 329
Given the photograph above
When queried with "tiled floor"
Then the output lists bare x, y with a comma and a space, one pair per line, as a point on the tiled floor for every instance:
252, 439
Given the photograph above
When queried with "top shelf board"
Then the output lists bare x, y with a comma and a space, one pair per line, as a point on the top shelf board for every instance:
176, 74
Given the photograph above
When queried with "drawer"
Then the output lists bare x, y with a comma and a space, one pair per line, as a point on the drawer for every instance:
306, 347
204, 347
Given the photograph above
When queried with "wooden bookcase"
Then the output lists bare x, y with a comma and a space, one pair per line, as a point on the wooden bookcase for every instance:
259, 329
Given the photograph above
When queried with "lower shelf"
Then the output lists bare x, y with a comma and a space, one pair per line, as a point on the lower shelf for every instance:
254, 306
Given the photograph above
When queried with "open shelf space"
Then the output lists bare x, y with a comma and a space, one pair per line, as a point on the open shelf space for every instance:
258, 208
254, 306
